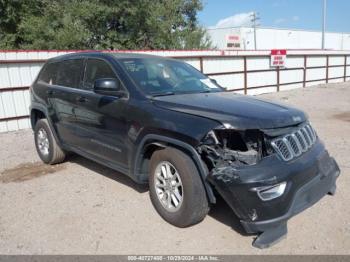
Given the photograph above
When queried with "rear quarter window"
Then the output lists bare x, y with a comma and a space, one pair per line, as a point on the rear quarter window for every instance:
48, 74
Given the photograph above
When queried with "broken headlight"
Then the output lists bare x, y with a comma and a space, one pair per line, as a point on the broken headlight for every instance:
222, 146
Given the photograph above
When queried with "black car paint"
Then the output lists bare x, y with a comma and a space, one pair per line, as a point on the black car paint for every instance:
116, 131
241, 112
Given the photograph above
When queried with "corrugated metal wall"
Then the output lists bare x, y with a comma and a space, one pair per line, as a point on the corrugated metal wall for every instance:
15, 77
246, 71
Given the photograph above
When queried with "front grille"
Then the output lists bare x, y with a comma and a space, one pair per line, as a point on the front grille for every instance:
293, 145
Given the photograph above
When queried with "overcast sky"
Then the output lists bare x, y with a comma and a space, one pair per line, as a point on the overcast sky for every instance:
301, 14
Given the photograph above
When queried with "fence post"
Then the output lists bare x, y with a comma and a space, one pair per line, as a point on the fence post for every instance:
245, 75
327, 67
305, 65
278, 78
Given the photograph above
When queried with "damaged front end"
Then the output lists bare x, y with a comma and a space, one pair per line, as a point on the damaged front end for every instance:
267, 176
224, 148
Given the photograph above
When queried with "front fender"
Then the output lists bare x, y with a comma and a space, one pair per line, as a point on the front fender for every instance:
151, 138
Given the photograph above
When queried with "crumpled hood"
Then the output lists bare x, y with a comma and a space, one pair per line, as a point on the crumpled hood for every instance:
240, 111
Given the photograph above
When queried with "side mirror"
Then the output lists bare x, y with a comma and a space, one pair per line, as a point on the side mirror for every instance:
109, 87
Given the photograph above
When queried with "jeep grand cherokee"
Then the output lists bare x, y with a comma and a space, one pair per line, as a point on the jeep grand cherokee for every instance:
162, 122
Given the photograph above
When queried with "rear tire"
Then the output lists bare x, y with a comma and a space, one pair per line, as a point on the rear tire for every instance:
46, 146
192, 204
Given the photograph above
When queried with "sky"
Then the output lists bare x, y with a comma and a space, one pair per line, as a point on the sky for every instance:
294, 14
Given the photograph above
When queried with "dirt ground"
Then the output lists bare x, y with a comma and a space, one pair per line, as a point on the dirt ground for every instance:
80, 207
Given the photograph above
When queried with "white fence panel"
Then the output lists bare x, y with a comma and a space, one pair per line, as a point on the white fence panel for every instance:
262, 79
291, 76
258, 63
336, 60
316, 61
295, 61
315, 74
216, 65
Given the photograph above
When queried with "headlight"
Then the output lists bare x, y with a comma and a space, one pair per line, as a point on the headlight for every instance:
267, 193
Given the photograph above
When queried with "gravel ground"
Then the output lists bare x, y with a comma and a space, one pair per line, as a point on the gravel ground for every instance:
80, 207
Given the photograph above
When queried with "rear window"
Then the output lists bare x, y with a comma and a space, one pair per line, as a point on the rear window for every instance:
69, 73
66, 73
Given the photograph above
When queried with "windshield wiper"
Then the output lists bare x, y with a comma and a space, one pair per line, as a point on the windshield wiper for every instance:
168, 93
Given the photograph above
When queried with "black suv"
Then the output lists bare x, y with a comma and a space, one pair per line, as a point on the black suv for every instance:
162, 122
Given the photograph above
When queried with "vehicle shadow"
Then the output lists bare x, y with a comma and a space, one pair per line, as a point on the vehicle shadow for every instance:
220, 211
107, 172
224, 214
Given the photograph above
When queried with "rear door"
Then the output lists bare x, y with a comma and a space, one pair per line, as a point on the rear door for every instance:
102, 119
62, 98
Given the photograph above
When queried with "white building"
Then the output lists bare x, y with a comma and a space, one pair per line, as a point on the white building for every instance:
273, 38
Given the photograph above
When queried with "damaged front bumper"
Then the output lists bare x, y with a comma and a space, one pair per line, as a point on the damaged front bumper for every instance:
308, 178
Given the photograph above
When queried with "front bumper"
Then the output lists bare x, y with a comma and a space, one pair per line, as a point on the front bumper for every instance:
309, 178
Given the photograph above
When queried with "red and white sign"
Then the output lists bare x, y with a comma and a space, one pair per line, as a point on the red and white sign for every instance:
233, 41
278, 57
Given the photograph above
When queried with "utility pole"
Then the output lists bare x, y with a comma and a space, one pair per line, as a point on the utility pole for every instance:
254, 18
324, 23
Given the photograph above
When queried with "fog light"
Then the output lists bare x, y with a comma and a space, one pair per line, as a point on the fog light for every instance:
267, 193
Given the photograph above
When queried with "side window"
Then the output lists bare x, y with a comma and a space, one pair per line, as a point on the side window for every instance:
96, 69
69, 73
48, 74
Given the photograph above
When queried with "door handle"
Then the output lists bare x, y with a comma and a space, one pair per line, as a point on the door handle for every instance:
81, 99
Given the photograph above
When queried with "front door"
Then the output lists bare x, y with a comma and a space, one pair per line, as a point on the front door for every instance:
102, 119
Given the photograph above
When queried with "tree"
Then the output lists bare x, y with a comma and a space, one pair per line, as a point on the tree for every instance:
11, 13
101, 24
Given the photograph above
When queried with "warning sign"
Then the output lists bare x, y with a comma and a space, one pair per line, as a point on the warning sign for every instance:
278, 58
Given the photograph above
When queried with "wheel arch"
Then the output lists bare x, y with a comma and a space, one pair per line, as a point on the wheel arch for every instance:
38, 112
150, 143
35, 116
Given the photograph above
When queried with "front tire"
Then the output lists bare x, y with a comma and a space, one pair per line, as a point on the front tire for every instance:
176, 189
46, 146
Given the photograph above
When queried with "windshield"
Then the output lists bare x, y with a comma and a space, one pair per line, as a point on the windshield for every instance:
166, 77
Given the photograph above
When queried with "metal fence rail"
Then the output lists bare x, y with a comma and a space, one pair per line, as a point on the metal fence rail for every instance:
242, 73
